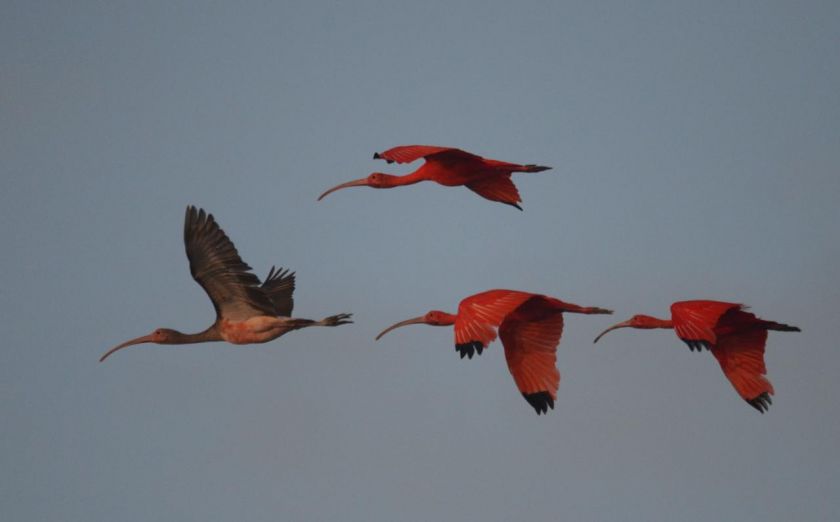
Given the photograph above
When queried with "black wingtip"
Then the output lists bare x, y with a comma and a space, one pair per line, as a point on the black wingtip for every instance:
377, 155
468, 349
698, 345
540, 401
761, 403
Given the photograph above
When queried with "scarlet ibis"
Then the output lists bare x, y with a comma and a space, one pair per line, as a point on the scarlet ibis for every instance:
246, 311
529, 325
735, 337
451, 167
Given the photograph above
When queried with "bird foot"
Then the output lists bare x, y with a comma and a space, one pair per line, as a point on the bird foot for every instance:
336, 320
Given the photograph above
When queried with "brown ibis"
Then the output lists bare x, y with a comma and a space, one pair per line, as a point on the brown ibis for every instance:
247, 311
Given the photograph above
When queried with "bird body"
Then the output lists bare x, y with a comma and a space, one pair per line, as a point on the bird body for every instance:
258, 329
735, 337
247, 311
451, 167
529, 325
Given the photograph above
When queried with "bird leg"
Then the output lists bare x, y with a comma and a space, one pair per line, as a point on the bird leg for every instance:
569, 307
333, 320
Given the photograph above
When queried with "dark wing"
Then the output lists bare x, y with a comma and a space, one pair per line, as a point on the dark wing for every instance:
279, 286
409, 153
216, 266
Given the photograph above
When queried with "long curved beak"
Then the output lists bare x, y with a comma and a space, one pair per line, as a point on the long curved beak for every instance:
355, 183
139, 340
416, 320
625, 324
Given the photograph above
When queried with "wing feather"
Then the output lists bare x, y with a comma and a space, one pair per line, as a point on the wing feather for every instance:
695, 321
216, 266
531, 354
497, 188
480, 314
279, 286
409, 153
741, 357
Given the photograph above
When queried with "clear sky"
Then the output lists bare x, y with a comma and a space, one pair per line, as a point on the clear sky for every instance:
696, 154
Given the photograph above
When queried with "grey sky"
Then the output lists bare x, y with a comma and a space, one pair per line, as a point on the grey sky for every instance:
695, 148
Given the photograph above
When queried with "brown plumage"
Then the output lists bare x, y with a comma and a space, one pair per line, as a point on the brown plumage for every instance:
247, 311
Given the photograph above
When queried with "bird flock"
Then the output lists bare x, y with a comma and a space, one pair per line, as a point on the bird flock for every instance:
529, 325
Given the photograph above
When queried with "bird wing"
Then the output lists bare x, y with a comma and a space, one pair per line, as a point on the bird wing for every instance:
216, 266
531, 354
479, 315
409, 153
741, 357
279, 286
497, 188
695, 321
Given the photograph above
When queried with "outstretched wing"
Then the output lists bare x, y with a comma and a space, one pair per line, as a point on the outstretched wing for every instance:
531, 354
741, 357
216, 266
479, 315
279, 286
497, 188
695, 321
409, 153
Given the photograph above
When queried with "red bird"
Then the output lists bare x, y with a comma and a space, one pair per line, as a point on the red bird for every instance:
246, 311
529, 325
451, 167
735, 337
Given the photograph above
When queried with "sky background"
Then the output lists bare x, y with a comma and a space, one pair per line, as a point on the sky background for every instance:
696, 149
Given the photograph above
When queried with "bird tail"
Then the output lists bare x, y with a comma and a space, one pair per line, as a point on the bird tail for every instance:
534, 168
771, 325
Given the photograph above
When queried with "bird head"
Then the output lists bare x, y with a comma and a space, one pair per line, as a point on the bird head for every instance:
433, 318
375, 180
644, 322
159, 336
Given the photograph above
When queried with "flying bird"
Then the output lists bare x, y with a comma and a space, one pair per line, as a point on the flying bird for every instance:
734, 336
247, 311
529, 326
451, 167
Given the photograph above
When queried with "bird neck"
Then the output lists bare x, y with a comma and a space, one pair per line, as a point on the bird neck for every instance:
446, 319
209, 335
409, 179
655, 322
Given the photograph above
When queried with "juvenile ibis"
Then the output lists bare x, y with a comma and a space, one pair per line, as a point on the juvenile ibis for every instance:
247, 311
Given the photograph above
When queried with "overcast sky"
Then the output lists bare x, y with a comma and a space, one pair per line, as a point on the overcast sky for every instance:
696, 154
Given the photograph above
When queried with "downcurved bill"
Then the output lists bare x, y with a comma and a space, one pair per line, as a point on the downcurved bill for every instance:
355, 183
143, 339
625, 324
416, 320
